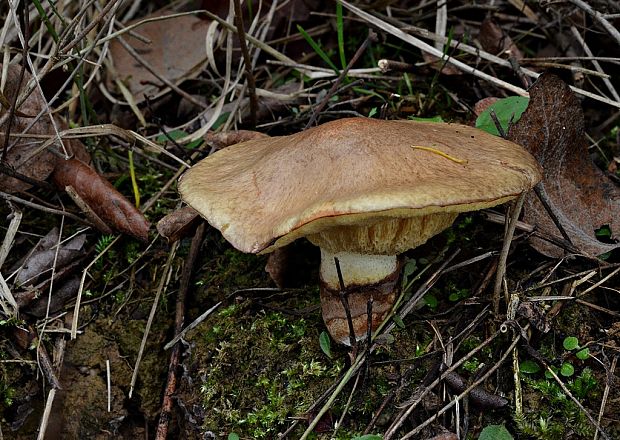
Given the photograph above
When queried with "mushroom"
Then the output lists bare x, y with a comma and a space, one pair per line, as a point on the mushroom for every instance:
364, 191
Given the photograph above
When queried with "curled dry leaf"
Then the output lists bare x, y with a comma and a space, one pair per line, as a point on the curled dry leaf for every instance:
99, 194
22, 153
178, 224
581, 196
176, 51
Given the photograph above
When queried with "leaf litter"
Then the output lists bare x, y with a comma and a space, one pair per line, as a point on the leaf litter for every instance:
88, 356
580, 195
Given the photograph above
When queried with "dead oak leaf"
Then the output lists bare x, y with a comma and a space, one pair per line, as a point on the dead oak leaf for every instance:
581, 196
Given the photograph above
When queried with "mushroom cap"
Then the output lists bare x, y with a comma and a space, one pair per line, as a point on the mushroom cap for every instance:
264, 193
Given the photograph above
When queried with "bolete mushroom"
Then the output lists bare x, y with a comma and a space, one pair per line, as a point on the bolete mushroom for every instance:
363, 190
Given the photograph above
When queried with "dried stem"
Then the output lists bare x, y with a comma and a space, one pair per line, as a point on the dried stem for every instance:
249, 76
503, 257
171, 384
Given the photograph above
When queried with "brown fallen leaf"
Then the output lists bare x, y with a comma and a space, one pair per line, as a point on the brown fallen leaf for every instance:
483, 104
176, 51
179, 224
22, 154
99, 194
224, 139
497, 42
67, 290
581, 196
39, 263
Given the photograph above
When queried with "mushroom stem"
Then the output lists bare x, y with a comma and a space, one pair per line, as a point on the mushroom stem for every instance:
365, 277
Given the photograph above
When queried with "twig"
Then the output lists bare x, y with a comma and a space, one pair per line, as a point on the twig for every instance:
503, 257
595, 62
397, 423
345, 304
109, 383
608, 382
46, 413
384, 328
9, 237
163, 282
597, 16
21, 201
484, 377
399, 32
179, 318
578, 403
159, 76
544, 199
249, 76
372, 36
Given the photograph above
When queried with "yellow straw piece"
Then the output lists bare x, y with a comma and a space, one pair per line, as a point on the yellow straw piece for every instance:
441, 153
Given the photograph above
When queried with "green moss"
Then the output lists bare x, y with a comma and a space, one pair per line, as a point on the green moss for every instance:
260, 368
549, 414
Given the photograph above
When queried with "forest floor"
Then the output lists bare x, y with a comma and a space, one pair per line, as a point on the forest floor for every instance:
92, 294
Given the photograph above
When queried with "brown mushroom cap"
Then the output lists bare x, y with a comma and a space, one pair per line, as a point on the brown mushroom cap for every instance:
265, 193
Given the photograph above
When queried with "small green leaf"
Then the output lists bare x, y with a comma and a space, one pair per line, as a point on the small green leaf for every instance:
398, 321
233, 436
495, 432
372, 112
325, 343
570, 343
368, 437
548, 374
603, 232
431, 300
504, 110
454, 296
409, 269
529, 367
173, 134
583, 354
567, 369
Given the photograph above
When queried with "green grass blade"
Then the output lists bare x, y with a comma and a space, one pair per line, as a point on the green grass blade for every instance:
315, 46
46, 20
340, 29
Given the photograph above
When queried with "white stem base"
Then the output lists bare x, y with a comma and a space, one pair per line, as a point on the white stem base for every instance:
357, 269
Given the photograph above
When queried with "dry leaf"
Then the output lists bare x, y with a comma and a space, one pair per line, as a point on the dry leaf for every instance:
99, 194
179, 224
40, 262
495, 41
484, 104
581, 196
176, 52
63, 294
224, 139
40, 164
